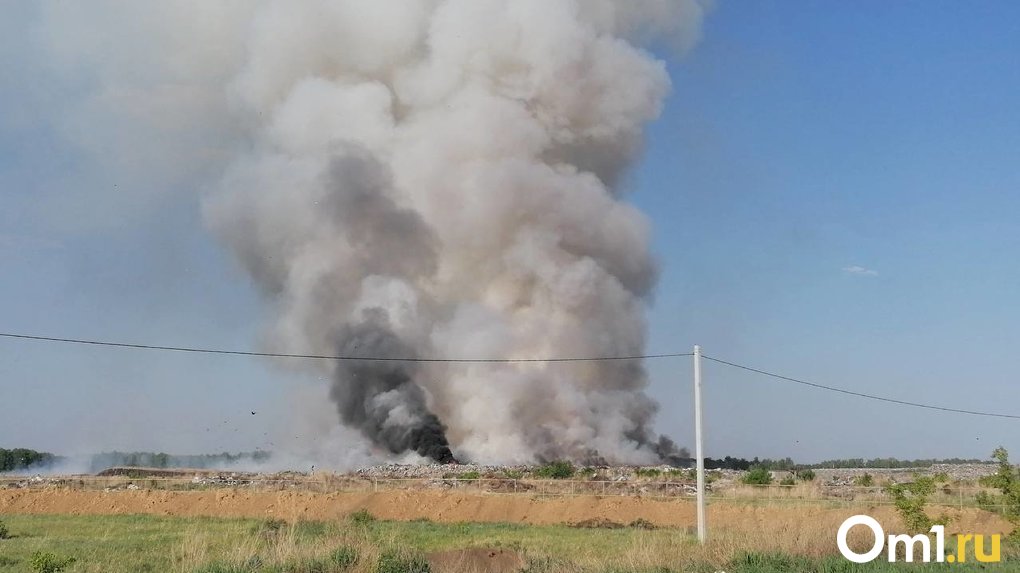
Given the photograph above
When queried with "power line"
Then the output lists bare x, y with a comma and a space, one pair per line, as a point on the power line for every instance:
337, 358
860, 394
196, 350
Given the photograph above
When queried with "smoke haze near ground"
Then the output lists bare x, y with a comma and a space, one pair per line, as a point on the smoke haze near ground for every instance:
411, 179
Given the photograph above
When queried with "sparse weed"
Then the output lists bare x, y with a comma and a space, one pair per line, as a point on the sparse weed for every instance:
344, 557
269, 529
768, 562
45, 562
641, 523
544, 565
392, 561
362, 517
311, 528
865, 480
225, 568
555, 470
806, 475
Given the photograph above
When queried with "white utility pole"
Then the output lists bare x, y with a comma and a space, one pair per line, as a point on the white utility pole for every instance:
702, 530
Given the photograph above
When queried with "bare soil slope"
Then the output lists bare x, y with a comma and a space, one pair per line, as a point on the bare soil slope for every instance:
451, 507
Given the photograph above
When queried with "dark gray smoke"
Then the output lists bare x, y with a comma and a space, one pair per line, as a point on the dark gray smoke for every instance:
382, 398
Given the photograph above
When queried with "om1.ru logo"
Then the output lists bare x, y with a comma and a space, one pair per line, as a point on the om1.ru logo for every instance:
909, 543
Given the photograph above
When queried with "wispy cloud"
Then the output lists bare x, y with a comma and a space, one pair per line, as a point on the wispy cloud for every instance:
860, 271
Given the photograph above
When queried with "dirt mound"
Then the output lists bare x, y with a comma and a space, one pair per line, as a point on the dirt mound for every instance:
476, 560
597, 523
151, 472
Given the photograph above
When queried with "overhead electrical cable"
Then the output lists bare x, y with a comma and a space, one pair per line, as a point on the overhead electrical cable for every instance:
861, 394
338, 358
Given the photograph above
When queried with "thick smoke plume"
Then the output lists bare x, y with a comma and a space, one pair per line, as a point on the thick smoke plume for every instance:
440, 178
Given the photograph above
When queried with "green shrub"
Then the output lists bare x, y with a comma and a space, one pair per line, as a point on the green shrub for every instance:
865, 480
513, 474
555, 470
43, 562
648, 472
470, 475
757, 476
400, 562
987, 502
788, 481
361, 517
806, 475
1007, 481
4, 532
910, 499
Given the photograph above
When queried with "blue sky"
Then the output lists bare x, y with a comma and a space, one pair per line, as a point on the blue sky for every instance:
805, 138
802, 139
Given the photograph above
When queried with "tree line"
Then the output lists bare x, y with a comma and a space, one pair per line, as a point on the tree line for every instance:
787, 464
100, 462
23, 458
20, 459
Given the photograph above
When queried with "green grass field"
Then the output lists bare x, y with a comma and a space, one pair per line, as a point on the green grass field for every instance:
116, 544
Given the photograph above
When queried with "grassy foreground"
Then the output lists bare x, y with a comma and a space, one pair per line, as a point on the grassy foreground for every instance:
140, 543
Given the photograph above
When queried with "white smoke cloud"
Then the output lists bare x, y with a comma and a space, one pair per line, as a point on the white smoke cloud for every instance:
423, 177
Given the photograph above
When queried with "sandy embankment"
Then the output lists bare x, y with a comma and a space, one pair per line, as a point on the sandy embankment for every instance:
455, 507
